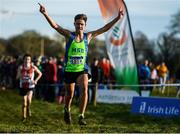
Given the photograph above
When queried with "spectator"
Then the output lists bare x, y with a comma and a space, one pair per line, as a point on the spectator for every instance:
105, 66
14, 68
95, 78
61, 96
162, 73
154, 75
144, 75
60, 76
51, 80
39, 87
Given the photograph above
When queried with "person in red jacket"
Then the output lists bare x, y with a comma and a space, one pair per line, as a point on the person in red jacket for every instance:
51, 79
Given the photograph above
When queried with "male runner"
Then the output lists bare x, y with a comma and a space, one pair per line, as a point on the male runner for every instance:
25, 74
76, 65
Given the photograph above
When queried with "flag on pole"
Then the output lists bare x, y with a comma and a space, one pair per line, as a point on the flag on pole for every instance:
119, 43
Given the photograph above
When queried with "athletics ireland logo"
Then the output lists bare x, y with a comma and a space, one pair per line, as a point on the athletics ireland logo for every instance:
118, 36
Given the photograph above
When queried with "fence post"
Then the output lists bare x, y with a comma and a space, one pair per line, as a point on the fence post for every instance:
95, 93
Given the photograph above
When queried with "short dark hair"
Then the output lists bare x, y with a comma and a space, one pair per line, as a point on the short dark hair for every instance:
80, 16
26, 55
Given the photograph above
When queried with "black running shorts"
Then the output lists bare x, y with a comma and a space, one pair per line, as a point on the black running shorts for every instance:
71, 77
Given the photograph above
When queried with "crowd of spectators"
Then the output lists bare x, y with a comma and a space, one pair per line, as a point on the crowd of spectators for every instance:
150, 74
51, 83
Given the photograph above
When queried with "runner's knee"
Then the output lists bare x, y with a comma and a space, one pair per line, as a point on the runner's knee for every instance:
25, 105
69, 94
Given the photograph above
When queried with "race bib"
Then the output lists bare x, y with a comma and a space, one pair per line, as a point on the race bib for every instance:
76, 59
25, 82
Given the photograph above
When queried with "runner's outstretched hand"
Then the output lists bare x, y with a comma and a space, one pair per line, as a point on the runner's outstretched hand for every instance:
42, 9
120, 13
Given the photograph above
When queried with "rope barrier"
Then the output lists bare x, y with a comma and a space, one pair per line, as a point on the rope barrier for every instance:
121, 85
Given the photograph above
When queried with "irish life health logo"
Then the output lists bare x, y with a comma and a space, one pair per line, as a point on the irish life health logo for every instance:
142, 107
156, 106
118, 36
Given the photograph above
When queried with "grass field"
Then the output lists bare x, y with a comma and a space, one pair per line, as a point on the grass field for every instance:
104, 118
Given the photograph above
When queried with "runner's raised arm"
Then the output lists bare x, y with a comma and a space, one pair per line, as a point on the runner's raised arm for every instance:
106, 27
53, 24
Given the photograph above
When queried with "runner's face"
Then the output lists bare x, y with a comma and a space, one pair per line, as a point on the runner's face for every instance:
80, 25
27, 60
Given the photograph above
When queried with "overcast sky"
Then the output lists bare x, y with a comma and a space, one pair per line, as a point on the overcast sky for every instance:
149, 16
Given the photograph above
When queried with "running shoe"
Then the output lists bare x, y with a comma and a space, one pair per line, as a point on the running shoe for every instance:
82, 121
67, 116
